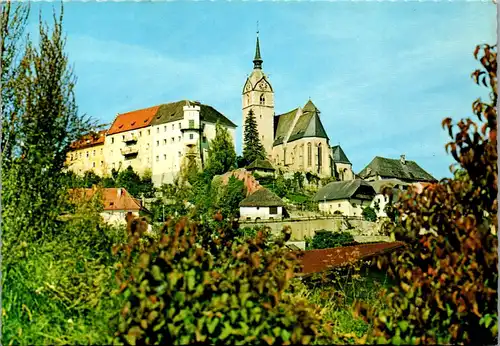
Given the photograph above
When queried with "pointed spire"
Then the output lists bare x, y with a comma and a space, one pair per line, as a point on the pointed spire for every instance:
257, 61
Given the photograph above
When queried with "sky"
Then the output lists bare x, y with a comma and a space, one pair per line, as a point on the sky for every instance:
383, 74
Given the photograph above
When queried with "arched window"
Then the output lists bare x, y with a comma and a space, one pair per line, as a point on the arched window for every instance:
309, 154
262, 99
320, 156
248, 99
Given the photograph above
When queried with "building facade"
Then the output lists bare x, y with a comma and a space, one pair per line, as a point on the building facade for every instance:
87, 154
158, 140
293, 141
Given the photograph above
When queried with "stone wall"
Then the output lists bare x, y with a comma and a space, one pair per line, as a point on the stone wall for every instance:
306, 227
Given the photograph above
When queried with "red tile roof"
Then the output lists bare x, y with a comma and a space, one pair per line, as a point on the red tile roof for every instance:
89, 140
113, 200
315, 261
133, 120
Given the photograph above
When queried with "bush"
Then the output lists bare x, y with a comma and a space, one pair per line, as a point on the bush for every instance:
369, 214
448, 274
328, 239
200, 284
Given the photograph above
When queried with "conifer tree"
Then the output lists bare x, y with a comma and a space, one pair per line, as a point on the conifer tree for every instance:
221, 153
252, 147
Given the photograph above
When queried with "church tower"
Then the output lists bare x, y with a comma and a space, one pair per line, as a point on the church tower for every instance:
258, 96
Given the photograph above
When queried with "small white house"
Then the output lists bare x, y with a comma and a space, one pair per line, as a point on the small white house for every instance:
347, 198
262, 205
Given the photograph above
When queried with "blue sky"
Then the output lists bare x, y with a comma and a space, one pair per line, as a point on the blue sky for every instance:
383, 74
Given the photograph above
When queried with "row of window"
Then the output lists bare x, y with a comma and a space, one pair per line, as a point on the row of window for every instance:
165, 156
74, 156
165, 127
309, 156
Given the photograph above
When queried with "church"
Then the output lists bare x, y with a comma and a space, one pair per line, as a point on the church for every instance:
295, 141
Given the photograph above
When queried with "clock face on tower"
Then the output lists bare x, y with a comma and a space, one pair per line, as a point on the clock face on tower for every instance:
263, 85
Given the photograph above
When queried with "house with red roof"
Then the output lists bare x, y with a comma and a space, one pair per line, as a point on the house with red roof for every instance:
116, 203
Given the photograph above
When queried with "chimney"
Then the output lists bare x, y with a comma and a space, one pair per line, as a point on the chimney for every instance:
403, 159
119, 192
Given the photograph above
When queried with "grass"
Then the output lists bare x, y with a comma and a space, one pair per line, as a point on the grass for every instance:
337, 299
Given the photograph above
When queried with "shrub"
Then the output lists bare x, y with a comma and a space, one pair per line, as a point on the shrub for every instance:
328, 239
447, 277
369, 214
200, 284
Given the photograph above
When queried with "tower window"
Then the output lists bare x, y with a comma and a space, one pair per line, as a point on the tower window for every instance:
191, 136
191, 124
262, 99
309, 154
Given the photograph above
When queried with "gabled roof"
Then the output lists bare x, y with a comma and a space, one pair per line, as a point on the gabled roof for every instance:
133, 120
260, 164
113, 199
173, 111
394, 168
164, 113
316, 261
338, 155
262, 198
344, 190
308, 125
89, 140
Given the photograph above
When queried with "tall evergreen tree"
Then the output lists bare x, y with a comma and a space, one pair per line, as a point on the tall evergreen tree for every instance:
252, 147
221, 153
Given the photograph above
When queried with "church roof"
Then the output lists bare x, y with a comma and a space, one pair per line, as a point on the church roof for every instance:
173, 111
307, 125
338, 155
394, 168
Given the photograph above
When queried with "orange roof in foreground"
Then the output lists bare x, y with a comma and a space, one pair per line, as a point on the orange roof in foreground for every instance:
315, 261
89, 140
133, 120
113, 200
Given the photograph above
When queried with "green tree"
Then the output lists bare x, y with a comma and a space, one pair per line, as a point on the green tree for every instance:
221, 153
233, 193
369, 214
447, 276
40, 119
252, 147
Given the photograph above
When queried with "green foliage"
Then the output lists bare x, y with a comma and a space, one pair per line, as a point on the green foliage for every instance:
221, 153
328, 239
369, 214
252, 147
229, 202
200, 284
447, 276
299, 180
134, 184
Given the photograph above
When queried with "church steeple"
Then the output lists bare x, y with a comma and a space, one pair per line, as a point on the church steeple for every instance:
257, 61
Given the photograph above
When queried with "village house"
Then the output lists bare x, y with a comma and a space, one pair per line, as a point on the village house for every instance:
347, 198
87, 154
381, 168
388, 192
117, 203
295, 141
261, 167
262, 205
